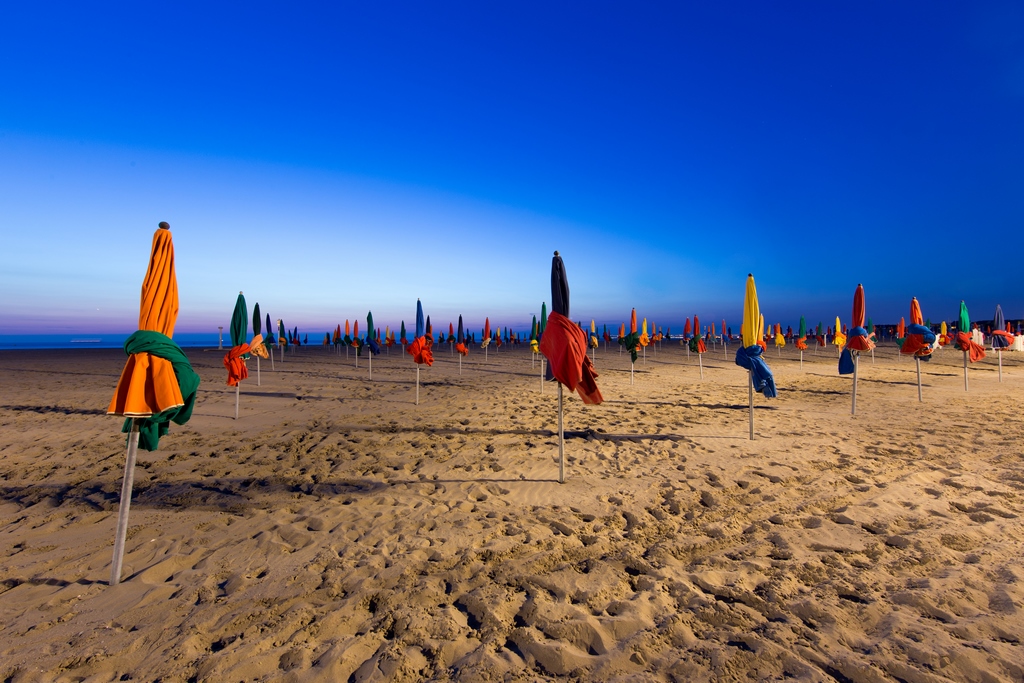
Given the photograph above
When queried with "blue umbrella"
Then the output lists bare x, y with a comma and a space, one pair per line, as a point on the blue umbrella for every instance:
1000, 338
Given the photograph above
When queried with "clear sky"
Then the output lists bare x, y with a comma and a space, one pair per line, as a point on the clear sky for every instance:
335, 158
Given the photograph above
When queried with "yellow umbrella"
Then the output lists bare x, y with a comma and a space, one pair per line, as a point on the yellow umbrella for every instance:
839, 339
751, 314
749, 356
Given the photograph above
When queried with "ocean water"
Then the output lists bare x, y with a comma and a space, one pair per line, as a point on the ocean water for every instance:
98, 341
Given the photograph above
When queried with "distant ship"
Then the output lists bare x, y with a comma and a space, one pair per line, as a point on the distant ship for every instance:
86, 341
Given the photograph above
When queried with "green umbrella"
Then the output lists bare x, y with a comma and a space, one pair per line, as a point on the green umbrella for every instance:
256, 322
270, 331
239, 331
964, 324
239, 322
543, 318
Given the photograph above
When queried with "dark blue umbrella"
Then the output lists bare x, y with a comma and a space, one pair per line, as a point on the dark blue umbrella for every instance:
420, 325
565, 347
999, 341
1000, 337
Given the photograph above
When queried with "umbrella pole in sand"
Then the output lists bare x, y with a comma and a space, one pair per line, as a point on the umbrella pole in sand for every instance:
236, 398
370, 361
856, 364
872, 356
700, 362
271, 359
561, 439
485, 353
258, 380
801, 359
920, 399
631, 374
1000, 365
645, 355
542, 375
965, 371
750, 398
417, 385
126, 500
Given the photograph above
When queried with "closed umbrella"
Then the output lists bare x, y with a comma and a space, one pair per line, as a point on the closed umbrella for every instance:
256, 346
269, 341
963, 341
801, 340
234, 359
420, 349
282, 337
565, 347
460, 345
857, 341
371, 342
1001, 339
631, 342
157, 385
697, 344
919, 342
749, 355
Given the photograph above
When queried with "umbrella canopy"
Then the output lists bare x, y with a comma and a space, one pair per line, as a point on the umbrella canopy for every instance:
239, 322
402, 338
157, 384
697, 344
270, 330
687, 330
920, 341
256, 322
533, 329
282, 336
749, 355
371, 339
964, 342
543, 322
565, 344
632, 340
1000, 337
858, 338
419, 349
751, 314
462, 337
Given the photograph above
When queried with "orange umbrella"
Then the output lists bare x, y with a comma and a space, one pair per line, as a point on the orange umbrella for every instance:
148, 385
857, 341
157, 385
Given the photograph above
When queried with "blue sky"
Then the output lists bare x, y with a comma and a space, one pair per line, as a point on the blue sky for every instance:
330, 160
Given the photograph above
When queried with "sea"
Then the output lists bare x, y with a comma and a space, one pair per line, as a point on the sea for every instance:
10, 342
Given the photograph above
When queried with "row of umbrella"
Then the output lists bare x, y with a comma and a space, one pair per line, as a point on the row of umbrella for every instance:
158, 385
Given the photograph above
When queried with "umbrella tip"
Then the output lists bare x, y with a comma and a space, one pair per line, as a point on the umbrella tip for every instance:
164, 225
240, 291
556, 252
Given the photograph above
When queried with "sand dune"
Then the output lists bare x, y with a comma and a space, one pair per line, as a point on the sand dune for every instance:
337, 531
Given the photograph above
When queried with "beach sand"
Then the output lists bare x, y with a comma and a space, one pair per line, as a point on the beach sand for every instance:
338, 532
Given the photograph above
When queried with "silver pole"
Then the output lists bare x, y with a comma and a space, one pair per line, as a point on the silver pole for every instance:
237, 387
921, 398
561, 439
965, 371
856, 363
417, 384
126, 500
750, 397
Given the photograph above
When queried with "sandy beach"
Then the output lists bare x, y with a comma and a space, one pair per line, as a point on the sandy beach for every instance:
338, 532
